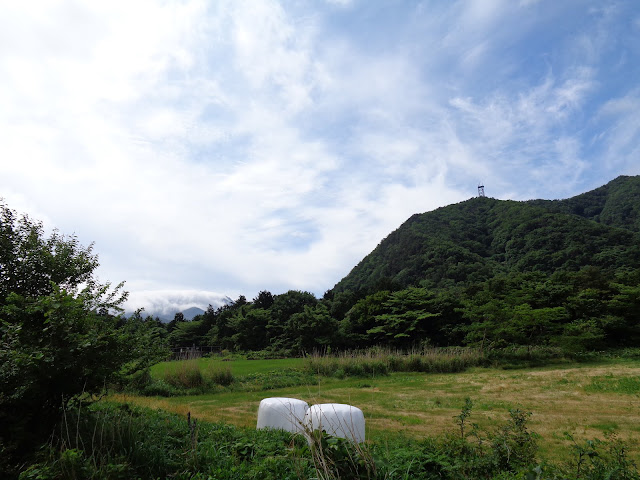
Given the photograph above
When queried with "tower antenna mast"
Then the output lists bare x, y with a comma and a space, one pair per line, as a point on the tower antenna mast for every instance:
480, 190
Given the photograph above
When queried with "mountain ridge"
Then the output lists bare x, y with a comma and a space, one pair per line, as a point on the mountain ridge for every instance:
478, 238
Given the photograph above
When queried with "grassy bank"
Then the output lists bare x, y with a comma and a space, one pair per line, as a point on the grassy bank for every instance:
109, 441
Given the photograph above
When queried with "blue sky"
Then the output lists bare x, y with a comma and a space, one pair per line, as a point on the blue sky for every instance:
214, 148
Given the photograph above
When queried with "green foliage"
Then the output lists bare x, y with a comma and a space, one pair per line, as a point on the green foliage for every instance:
184, 334
513, 446
312, 329
31, 263
59, 337
187, 375
601, 460
339, 458
191, 377
106, 441
250, 326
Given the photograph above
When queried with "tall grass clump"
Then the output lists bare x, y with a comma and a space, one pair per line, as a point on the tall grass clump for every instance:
190, 375
184, 374
217, 375
378, 361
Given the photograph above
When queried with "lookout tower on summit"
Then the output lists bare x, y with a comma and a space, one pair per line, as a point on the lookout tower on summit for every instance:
481, 190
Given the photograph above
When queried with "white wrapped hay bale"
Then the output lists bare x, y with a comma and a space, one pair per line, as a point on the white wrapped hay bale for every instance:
337, 419
282, 413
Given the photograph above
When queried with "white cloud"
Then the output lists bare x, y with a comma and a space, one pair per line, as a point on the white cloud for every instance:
168, 302
235, 146
621, 140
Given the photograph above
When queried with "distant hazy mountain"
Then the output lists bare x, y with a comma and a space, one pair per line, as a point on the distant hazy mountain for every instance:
189, 314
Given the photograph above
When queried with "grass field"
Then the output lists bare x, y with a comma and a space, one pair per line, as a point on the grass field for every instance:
585, 400
239, 366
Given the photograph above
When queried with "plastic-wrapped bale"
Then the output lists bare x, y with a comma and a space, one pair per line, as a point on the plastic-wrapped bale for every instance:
282, 413
337, 419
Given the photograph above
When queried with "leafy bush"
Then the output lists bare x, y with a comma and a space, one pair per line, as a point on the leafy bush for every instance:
159, 388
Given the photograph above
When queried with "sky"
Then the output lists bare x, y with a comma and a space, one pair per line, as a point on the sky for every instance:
223, 147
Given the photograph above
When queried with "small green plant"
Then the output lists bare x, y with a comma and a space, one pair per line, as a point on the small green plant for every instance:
464, 415
513, 445
339, 458
601, 460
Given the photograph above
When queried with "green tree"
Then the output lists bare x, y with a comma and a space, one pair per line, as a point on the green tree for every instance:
361, 318
263, 300
284, 306
408, 318
61, 332
32, 264
312, 329
186, 334
250, 328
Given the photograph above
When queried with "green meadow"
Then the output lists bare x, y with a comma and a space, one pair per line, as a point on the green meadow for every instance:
585, 400
239, 366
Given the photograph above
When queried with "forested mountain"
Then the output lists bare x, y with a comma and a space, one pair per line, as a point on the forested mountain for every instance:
616, 204
475, 240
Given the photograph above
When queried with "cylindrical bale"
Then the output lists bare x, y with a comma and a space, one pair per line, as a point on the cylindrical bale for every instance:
336, 419
282, 413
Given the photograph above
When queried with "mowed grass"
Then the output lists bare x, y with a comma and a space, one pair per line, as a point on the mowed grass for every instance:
586, 401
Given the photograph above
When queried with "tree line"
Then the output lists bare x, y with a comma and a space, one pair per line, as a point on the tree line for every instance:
586, 310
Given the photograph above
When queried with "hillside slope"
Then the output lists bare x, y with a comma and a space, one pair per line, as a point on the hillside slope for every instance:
479, 238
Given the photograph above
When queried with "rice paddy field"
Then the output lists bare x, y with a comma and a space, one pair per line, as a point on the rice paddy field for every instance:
587, 401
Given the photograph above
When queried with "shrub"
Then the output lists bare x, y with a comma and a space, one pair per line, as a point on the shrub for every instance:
61, 335
513, 445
